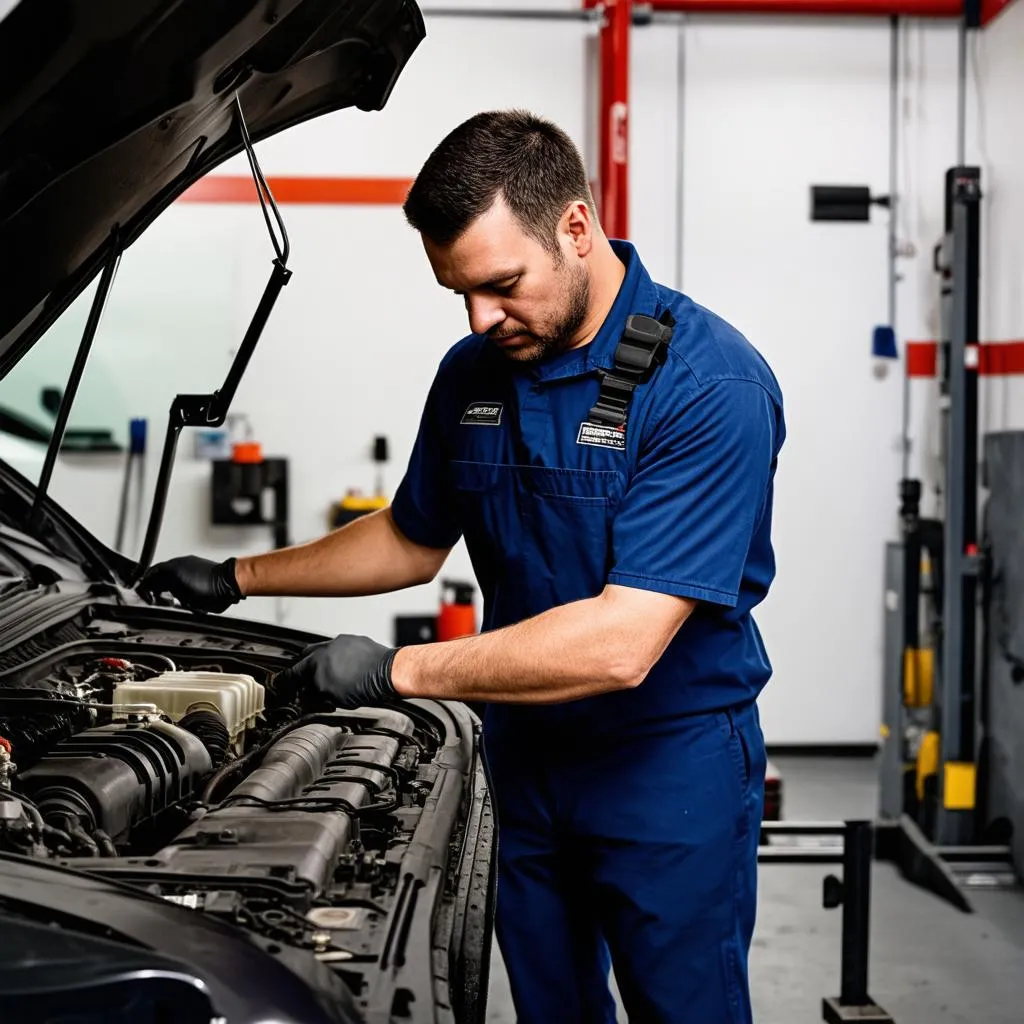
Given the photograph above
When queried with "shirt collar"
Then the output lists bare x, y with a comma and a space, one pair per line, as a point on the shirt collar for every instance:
637, 294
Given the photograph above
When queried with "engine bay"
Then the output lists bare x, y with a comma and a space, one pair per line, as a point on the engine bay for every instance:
164, 758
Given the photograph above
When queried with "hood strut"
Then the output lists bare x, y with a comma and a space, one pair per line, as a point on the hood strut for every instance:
212, 410
81, 358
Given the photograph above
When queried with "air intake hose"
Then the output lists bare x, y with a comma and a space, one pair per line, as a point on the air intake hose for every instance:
212, 731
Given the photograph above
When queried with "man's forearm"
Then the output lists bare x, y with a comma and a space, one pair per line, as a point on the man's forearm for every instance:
569, 652
368, 556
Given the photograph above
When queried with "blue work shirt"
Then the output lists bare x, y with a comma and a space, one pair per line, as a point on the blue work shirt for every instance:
684, 507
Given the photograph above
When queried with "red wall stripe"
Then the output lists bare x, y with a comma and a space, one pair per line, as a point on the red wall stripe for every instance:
225, 188
995, 358
1005, 358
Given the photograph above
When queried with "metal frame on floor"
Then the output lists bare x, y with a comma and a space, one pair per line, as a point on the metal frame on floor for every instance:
852, 892
936, 868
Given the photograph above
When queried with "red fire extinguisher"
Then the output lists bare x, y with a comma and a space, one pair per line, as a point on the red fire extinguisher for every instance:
457, 616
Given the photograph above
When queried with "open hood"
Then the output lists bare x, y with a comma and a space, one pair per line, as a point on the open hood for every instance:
238, 850
110, 109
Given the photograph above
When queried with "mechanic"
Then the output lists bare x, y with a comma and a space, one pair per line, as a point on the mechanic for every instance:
618, 664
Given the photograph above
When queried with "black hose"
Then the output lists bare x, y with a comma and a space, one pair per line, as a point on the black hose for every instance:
21, 798
307, 803
85, 840
33, 814
212, 731
106, 844
224, 772
72, 825
137, 660
59, 837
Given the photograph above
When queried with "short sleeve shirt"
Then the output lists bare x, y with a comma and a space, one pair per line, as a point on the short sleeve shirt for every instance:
553, 510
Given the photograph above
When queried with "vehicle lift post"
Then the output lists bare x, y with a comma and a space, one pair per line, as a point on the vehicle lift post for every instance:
932, 814
954, 822
930, 825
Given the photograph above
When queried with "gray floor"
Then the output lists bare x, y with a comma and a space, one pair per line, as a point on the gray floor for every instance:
930, 963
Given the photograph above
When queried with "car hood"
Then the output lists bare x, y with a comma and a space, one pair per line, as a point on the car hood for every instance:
110, 109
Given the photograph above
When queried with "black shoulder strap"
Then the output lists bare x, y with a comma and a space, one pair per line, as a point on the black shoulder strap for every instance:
640, 350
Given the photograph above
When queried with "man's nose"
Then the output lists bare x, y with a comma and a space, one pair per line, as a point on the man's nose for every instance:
484, 314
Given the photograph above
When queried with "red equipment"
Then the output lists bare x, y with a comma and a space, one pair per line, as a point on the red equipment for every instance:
457, 616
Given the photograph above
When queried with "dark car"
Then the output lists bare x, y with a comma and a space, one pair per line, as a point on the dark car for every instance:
180, 840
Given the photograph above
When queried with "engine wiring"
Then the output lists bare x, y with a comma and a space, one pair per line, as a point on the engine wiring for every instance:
167, 663
73, 834
42, 829
306, 803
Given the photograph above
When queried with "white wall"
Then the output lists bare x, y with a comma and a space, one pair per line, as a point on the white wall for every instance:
769, 107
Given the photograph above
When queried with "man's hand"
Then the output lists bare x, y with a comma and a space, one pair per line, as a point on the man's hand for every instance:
353, 671
197, 583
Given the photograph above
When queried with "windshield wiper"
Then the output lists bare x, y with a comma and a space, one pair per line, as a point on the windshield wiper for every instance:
212, 410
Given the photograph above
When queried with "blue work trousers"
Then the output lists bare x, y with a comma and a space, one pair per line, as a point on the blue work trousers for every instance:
640, 854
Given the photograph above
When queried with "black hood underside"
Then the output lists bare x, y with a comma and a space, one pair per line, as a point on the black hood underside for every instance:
110, 109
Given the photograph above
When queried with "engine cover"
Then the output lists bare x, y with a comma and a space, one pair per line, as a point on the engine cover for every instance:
118, 776
315, 761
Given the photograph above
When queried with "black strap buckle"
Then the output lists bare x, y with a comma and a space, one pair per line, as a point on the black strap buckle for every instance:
641, 349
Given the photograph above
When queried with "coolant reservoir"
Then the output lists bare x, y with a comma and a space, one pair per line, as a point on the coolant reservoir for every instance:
237, 698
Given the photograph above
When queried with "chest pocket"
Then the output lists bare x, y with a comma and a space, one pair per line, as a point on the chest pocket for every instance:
539, 536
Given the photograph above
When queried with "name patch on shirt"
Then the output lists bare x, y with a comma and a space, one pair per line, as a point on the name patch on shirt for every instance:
483, 414
601, 436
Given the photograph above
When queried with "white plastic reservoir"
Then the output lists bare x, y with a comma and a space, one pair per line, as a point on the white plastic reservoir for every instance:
237, 698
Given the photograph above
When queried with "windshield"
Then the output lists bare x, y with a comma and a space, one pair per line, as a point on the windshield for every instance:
180, 302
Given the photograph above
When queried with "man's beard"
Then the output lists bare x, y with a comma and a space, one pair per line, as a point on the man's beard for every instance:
533, 348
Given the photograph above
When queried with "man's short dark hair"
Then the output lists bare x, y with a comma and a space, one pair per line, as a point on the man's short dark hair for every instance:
529, 161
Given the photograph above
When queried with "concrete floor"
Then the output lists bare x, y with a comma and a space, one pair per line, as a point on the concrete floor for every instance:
930, 963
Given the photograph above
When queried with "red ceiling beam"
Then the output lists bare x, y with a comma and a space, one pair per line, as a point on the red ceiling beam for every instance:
992, 8
874, 8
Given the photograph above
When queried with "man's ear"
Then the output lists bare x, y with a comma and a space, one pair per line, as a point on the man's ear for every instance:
579, 226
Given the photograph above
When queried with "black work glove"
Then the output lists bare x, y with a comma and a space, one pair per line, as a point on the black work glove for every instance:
197, 583
352, 671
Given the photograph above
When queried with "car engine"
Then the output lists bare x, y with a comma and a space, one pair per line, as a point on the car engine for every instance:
107, 754
194, 779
